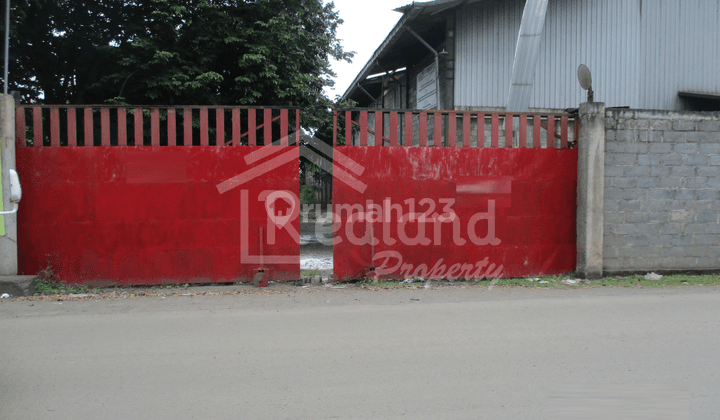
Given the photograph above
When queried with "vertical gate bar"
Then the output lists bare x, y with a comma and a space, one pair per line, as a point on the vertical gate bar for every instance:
104, 126
437, 129
452, 129
187, 127
267, 134
219, 127
335, 127
171, 127
348, 128
495, 131
252, 123
564, 132
20, 129
121, 125
284, 127
576, 124
71, 126
393, 129
467, 128
89, 141
408, 129
550, 139
236, 127
139, 127
155, 127
54, 127
523, 131
37, 127
379, 131
297, 127
481, 130
509, 130
422, 134
550, 132
204, 127
363, 128
536, 131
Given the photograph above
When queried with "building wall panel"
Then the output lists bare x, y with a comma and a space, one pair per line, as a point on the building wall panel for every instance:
641, 52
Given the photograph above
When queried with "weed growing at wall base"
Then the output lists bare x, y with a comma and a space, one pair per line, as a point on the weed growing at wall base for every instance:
49, 283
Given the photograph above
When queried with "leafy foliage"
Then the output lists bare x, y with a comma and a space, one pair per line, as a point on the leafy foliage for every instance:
189, 52
307, 194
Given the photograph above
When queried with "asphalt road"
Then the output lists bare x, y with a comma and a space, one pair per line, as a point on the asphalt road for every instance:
338, 354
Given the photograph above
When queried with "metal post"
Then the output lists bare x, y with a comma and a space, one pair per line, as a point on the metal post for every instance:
7, 45
437, 64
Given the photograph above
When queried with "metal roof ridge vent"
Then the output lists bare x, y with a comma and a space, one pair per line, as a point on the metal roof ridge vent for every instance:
526, 55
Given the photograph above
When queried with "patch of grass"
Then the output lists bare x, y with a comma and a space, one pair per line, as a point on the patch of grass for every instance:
50, 284
674, 280
43, 287
308, 273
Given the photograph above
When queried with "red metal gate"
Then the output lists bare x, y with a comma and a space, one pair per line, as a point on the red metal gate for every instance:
159, 195
452, 195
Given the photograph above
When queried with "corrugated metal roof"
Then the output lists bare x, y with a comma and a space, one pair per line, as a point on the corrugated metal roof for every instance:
426, 18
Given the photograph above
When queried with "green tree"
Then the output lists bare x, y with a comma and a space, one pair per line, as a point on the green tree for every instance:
185, 52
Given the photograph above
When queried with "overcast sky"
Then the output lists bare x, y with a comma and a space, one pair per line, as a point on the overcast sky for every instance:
367, 23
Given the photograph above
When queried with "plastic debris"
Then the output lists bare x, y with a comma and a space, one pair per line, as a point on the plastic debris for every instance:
530, 279
570, 281
544, 282
4, 296
652, 276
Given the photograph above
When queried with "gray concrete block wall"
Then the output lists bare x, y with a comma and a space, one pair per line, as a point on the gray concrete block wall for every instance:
662, 191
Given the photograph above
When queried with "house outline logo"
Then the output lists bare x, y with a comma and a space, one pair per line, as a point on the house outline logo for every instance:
330, 160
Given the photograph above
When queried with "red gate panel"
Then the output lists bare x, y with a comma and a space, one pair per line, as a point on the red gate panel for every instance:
151, 215
104, 212
455, 212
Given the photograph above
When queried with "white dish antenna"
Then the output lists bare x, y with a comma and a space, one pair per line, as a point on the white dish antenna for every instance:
585, 79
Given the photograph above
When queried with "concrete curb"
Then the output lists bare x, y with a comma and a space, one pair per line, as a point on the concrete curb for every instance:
18, 285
